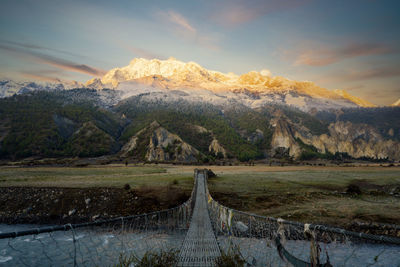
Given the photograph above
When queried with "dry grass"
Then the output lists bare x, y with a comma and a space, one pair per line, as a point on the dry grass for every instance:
97, 176
304, 193
311, 194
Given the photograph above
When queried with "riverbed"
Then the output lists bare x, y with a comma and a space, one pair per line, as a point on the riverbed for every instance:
103, 247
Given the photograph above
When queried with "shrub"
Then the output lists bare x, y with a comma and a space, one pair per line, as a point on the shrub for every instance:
154, 259
353, 189
211, 174
230, 259
127, 187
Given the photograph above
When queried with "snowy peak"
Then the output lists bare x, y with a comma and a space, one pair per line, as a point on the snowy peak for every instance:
173, 69
173, 80
9, 87
354, 99
396, 104
175, 74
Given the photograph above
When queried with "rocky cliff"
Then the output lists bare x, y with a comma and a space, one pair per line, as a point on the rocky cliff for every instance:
357, 140
160, 145
283, 137
165, 146
216, 148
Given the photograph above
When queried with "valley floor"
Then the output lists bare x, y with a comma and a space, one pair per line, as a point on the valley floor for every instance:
356, 198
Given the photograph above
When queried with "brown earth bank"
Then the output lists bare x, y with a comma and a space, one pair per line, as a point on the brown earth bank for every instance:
269, 205
74, 205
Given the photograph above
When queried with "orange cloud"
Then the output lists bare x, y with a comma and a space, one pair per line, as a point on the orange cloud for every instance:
327, 56
178, 20
350, 75
70, 66
379, 72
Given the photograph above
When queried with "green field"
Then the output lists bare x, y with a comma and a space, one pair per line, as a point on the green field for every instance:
101, 176
314, 195
308, 194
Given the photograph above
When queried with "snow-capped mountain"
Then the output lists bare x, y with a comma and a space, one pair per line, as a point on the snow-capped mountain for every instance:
359, 101
173, 80
254, 89
191, 103
396, 104
9, 87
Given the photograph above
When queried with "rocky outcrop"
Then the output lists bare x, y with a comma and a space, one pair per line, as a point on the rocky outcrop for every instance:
129, 146
165, 146
256, 136
357, 140
283, 137
200, 129
216, 148
160, 145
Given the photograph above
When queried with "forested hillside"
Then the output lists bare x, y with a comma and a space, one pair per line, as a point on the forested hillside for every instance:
91, 123
49, 124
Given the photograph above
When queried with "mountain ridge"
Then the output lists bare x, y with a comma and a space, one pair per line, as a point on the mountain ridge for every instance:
175, 74
396, 104
84, 123
173, 79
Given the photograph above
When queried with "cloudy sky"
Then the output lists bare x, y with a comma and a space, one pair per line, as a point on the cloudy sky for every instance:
342, 44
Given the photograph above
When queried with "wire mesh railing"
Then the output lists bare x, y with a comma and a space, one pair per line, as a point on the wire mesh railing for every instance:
98, 243
268, 241
261, 241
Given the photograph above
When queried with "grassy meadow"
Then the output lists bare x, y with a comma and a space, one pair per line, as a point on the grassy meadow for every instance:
94, 176
302, 193
312, 194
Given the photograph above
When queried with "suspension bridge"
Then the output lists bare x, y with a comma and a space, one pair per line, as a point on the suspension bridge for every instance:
199, 232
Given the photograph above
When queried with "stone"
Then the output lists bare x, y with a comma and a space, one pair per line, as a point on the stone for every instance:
27, 210
71, 212
241, 227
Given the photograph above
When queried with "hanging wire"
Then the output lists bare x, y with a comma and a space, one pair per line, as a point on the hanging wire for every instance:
259, 240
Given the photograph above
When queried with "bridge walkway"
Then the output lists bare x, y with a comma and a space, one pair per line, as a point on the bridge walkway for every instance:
200, 247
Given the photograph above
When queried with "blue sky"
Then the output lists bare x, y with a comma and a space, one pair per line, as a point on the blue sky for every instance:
352, 45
